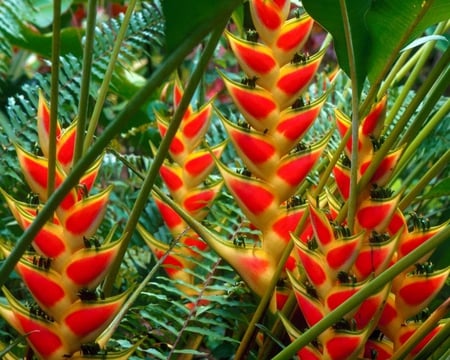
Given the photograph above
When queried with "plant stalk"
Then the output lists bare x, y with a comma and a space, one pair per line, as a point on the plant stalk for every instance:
415, 73
104, 88
353, 196
424, 329
56, 46
416, 133
85, 79
401, 73
420, 137
425, 180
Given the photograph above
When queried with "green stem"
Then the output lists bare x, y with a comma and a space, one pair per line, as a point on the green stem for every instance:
149, 181
172, 61
416, 132
389, 62
401, 73
421, 134
391, 79
425, 180
370, 289
414, 174
353, 196
415, 73
85, 79
56, 46
104, 88
438, 347
437, 81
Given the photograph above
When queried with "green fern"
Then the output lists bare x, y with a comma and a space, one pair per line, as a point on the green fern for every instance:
145, 31
217, 319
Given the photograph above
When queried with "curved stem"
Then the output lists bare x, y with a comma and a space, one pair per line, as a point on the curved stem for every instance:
85, 79
162, 152
425, 180
415, 73
371, 288
355, 118
401, 73
104, 88
392, 58
56, 45
421, 135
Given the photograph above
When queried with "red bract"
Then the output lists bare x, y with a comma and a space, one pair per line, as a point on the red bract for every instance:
185, 179
336, 264
277, 73
68, 262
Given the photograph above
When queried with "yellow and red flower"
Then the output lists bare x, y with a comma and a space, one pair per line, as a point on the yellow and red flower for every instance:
67, 262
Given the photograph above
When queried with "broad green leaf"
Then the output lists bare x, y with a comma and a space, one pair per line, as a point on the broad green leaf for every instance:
43, 16
379, 28
42, 43
328, 14
183, 18
389, 21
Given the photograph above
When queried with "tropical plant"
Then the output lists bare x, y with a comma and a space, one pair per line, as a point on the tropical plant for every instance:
294, 207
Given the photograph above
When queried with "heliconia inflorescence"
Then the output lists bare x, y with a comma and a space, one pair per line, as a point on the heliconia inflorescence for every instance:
269, 138
67, 262
330, 262
186, 178
337, 261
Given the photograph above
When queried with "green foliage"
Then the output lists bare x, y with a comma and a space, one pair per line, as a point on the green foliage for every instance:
216, 312
379, 30
183, 17
16, 18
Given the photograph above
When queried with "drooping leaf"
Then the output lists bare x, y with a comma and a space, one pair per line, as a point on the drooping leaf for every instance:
184, 17
328, 14
424, 39
379, 29
388, 22
43, 16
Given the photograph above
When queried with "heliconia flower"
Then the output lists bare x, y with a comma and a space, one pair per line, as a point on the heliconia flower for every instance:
186, 179
68, 262
409, 329
335, 264
417, 290
269, 145
375, 257
381, 348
